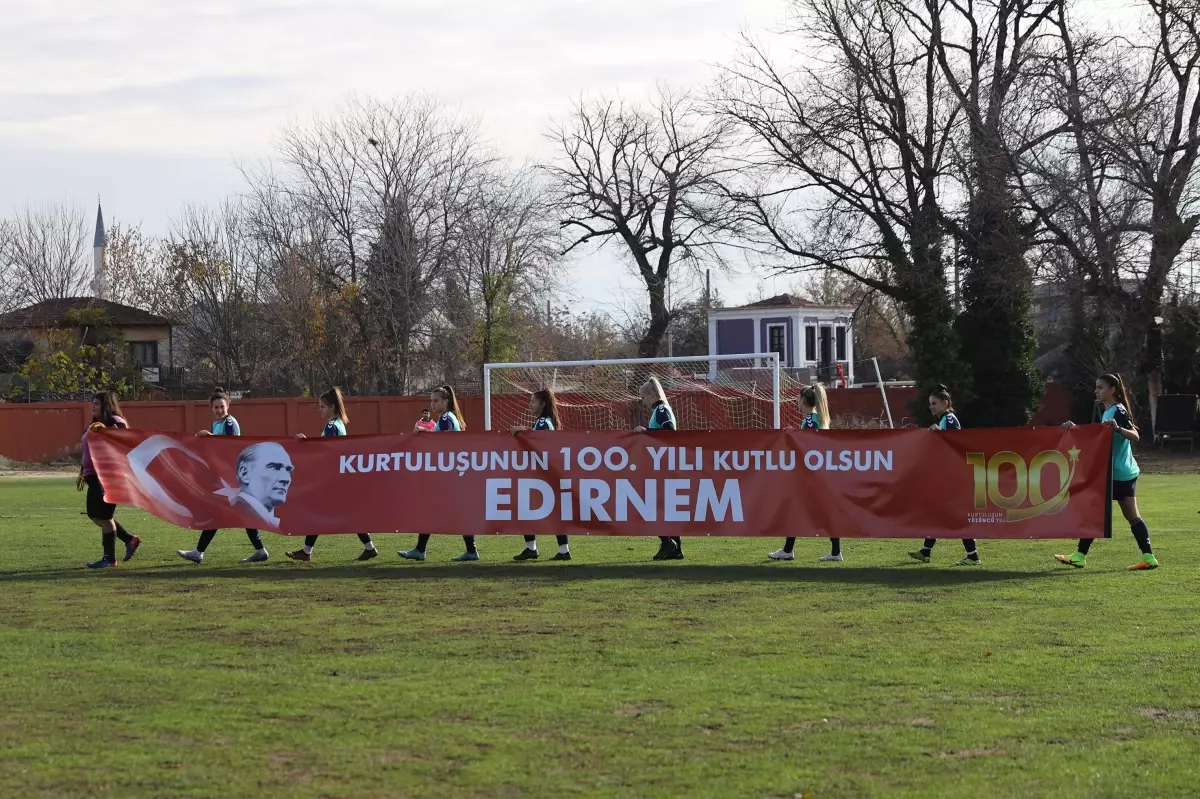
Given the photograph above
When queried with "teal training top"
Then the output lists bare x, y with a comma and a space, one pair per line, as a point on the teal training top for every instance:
1124, 466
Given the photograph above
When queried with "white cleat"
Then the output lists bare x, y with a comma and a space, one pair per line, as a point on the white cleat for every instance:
831, 558
192, 555
259, 556
781, 555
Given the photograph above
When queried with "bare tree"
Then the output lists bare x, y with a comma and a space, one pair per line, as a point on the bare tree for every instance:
215, 294
849, 154
650, 179
135, 270
45, 254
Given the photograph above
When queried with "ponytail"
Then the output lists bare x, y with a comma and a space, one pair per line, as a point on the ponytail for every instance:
333, 398
549, 406
943, 393
447, 393
815, 398
1115, 381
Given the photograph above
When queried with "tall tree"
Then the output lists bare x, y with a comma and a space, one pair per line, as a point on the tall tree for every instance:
651, 181
850, 149
45, 254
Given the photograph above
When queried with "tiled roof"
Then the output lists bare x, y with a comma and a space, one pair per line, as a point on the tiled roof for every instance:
53, 313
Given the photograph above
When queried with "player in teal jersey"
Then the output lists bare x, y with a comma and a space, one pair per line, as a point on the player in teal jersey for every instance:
223, 425
544, 407
450, 420
942, 407
661, 418
332, 406
814, 407
1111, 393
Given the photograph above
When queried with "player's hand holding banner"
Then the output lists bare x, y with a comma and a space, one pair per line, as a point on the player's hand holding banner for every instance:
1011, 483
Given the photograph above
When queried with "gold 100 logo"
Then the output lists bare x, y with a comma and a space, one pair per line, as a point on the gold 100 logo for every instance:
1007, 482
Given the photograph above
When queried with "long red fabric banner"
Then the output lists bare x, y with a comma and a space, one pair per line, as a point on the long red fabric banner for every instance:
1011, 483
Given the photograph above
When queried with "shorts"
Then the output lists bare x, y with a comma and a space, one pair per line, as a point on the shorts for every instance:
97, 508
1124, 489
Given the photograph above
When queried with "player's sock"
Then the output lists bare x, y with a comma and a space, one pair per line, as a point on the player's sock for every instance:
788, 545
367, 543
308, 549
206, 537
835, 546
531, 545
564, 549
1085, 544
1142, 534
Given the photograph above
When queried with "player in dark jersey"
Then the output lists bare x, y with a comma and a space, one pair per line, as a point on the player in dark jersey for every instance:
106, 413
224, 425
942, 408
450, 420
814, 407
332, 406
661, 418
544, 407
1111, 393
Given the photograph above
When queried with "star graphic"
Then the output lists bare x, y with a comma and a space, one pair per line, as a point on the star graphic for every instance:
227, 491
1074, 453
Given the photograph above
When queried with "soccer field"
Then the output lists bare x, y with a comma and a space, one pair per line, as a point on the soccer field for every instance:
722, 675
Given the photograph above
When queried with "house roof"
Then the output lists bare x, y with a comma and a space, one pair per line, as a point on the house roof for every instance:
53, 313
779, 301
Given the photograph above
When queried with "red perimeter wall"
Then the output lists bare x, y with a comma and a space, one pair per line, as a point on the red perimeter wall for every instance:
44, 432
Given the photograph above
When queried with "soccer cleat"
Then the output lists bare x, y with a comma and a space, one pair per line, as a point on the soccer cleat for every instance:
830, 558
131, 546
103, 563
258, 556
192, 555
1148, 561
465, 557
781, 554
920, 555
675, 554
368, 554
412, 554
527, 554
967, 562
561, 556
664, 552
299, 554
1078, 560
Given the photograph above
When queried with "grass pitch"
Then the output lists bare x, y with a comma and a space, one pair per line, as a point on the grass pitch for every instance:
722, 675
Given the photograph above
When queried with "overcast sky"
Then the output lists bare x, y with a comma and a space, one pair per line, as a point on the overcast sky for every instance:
150, 103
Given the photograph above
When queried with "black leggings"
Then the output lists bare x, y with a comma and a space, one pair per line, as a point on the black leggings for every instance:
835, 545
968, 544
562, 539
423, 542
207, 536
311, 540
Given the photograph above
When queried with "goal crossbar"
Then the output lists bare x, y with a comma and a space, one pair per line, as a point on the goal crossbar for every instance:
771, 359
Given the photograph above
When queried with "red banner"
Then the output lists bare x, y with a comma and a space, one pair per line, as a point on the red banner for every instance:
1014, 483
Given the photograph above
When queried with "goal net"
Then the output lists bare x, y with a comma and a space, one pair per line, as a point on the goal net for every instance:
718, 392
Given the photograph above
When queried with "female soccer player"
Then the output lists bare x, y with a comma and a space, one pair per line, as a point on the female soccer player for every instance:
1110, 392
332, 407
544, 406
815, 408
223, 425
661, 418
450, 420
942, 408
106, 412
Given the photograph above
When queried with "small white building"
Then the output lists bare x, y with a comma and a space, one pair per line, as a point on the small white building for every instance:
812, 339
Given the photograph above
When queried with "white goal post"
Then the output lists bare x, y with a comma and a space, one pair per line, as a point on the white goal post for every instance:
706, 391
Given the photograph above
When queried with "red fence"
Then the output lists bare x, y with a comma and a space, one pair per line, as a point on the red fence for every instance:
43, 432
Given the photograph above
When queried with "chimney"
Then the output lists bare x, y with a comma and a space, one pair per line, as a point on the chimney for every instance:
99, 279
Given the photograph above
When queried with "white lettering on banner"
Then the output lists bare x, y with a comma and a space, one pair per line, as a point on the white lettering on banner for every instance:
347, 465
846, 460
461, 462
604, 501
754, 460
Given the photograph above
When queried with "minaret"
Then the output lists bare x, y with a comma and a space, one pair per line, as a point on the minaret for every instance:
99, 280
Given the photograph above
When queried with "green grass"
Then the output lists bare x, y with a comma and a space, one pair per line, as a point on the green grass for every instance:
722, 675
